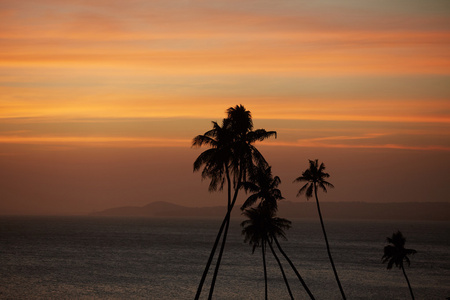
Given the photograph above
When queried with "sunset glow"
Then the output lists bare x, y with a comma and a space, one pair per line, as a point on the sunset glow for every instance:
129, 77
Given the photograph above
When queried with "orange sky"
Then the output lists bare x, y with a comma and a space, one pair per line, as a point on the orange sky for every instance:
94, 94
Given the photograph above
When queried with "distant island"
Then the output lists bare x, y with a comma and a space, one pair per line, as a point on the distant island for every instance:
437, 211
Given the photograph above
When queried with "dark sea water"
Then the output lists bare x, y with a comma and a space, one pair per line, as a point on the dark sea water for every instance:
122, 258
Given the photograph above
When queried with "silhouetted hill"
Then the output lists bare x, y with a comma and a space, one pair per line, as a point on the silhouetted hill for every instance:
438, 211
162, 209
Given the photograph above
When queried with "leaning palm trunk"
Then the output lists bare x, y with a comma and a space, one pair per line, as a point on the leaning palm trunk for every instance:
282, 270
219, 258
409, 285
328, 246
293, 268
227, 224
211, 255
219, 235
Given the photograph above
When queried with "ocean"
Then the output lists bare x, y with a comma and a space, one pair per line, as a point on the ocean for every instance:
163, 258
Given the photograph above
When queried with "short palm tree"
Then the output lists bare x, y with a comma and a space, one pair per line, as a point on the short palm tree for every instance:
256, 230
231, 158
315, 177
265, 188
395, 253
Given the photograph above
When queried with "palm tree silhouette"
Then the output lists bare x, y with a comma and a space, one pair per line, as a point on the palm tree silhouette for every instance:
315, 178
396, 254
265, 187
258, 230
231, 158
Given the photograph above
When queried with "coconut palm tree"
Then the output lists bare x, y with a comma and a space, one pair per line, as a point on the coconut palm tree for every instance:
315, 177
258, 230
265, 187
396, 254
231, 158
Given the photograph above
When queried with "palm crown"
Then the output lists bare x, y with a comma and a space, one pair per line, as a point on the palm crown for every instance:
264, 187
262, 226
231, 148
396, 253
315, 177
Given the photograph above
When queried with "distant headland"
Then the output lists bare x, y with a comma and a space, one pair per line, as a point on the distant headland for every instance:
437, 211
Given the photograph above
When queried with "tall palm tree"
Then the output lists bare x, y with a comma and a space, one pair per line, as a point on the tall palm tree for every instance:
258, 230
231, 158
396, 254
315, 177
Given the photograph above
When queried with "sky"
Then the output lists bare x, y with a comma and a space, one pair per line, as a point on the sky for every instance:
100, 100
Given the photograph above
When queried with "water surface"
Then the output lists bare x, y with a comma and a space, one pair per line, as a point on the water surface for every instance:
117, 258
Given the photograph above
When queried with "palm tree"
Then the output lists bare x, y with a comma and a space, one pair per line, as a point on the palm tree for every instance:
315, 178
396, 254
265, 187
232, 157
258, 230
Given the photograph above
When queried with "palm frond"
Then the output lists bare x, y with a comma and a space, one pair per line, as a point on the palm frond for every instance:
250, 201
250, 186
309, 191
203, 158
303, 189
260, 135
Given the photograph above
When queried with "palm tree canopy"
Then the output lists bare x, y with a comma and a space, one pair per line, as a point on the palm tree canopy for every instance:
264, 187
396, 253
314, 177
231, 146
262, 225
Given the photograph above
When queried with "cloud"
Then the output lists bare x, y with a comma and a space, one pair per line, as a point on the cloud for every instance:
319, 145
97, 141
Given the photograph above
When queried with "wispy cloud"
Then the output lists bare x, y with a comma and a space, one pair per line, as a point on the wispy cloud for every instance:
358, 146
98, 141
367, 141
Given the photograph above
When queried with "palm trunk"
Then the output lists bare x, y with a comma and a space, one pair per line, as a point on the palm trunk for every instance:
216, 242
328, 246
265, 271
216, 270
227, 217
282, 270
409, 285
211, 255
294, 268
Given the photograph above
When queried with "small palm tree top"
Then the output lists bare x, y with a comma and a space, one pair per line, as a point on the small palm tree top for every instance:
396, 253
314, 176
